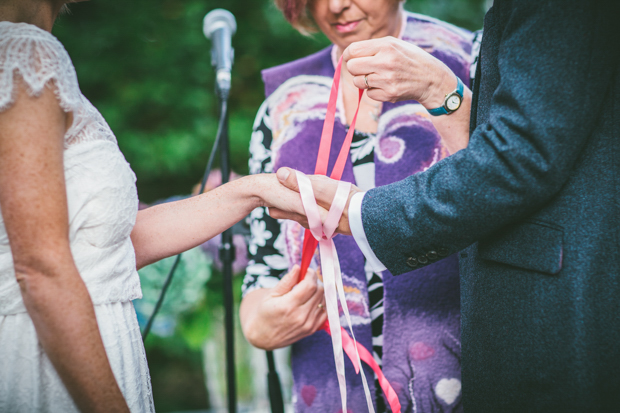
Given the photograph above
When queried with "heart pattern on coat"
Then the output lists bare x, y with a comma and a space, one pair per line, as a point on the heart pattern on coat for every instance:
421, 351
448, 390
308, 393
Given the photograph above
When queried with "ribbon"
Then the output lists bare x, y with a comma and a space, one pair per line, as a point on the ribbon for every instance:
322, 234
332, 277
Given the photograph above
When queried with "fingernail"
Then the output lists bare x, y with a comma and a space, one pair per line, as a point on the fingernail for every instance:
282, 174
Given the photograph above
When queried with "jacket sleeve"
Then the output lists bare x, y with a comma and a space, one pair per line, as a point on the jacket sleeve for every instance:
556, 60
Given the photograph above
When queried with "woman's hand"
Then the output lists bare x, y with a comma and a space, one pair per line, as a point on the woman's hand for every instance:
284, 201
396, 70
277, 317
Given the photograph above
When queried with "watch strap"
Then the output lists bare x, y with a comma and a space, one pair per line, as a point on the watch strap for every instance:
438, 111
442, 110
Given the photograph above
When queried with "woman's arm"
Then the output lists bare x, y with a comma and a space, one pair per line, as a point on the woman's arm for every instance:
398, 70
34, 207
168, 229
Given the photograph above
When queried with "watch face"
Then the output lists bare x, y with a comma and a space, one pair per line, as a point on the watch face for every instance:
453, 102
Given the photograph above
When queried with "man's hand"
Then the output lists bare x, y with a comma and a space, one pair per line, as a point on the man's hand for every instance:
324, 192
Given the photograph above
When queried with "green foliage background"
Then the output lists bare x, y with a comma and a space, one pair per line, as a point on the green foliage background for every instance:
145, 64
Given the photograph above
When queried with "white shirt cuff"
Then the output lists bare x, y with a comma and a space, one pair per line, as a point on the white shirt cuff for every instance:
357, 229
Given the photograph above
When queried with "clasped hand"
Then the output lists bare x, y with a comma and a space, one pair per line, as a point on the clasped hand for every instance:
324, 190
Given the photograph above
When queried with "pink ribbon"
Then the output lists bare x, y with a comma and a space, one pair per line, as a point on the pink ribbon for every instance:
322, 234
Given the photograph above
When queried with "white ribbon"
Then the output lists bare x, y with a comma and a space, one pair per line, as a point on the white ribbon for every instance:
332, 276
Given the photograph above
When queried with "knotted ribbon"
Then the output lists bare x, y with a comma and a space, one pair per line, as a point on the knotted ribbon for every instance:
322, 235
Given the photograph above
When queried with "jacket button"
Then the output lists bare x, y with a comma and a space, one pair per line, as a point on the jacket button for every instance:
412, 262
432, 255
422, 259
442, 252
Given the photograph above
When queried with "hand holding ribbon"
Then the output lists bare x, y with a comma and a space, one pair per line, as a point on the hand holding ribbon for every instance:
280, 316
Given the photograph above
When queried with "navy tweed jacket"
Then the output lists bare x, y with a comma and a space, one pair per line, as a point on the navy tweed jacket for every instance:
533, 204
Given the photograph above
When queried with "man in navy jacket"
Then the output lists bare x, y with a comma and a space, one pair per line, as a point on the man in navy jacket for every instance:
533, 206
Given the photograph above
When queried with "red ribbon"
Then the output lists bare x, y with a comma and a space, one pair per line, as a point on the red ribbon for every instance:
310, 243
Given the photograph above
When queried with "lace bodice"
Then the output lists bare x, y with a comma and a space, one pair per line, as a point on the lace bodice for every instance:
101, 192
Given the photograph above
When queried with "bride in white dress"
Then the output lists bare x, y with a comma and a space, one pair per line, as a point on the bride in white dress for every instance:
71, 236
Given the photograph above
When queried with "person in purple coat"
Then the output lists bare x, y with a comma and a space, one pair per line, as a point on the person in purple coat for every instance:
411, 323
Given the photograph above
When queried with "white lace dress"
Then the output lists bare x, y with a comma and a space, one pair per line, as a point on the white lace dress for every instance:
103, 203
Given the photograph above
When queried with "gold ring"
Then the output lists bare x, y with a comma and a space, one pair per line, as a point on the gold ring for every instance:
320, 306
366, 81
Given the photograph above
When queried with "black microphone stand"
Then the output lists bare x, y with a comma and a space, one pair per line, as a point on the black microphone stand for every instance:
227, 256
227, 249
273, 385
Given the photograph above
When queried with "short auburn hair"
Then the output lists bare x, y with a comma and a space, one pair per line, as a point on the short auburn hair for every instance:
297, 14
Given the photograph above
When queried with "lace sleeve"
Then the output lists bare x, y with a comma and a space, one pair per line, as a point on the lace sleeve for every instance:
39, 58
266, 246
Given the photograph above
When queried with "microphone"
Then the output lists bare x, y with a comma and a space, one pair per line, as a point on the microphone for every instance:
219, 26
